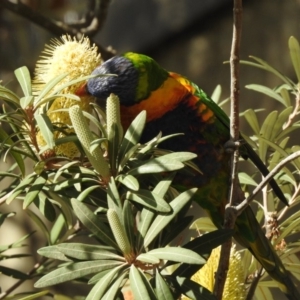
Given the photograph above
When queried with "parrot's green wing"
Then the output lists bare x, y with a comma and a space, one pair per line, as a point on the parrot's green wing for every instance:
246, 150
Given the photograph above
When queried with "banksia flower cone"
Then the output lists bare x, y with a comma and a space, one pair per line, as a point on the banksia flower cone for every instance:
234, 286
76, 58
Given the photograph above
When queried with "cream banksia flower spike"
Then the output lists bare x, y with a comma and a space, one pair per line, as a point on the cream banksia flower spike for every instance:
76, 58
119, 234
113, 115
234, 286
86, 138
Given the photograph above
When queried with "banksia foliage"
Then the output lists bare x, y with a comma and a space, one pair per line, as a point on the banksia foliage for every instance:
75, 58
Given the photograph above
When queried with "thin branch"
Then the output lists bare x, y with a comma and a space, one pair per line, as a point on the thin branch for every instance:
67, 236
235, 95
254, 284
242, 206
88, 17
19, 282
285, 209
230, 212
88, 26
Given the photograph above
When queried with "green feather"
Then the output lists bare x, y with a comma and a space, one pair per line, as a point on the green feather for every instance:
151, 75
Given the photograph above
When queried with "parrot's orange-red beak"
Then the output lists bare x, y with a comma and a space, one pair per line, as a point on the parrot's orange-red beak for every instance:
81, 91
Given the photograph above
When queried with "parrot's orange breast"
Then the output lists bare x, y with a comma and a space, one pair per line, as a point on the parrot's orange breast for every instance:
162, 100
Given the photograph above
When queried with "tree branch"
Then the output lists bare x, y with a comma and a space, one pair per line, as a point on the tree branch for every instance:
242, 206
21, 281
89, 25
230, 212
254, 284
234, 96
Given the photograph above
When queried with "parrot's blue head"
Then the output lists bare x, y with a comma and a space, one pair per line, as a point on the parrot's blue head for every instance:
133, 77
122, 82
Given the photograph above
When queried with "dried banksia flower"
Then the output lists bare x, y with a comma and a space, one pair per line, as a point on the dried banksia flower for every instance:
76, 58
234, 286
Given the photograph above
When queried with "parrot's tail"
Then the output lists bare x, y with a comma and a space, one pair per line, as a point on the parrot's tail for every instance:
264, 252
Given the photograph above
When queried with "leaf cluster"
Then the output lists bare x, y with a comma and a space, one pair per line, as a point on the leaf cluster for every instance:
274, 139
117, 193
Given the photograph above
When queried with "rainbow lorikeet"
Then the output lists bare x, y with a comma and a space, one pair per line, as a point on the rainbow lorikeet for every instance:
176, 105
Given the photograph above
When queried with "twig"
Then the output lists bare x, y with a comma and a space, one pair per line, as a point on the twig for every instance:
5, 197
230, 213
254, 284
242, 206
68, 235
234, 96
88, 26
19, 282
296, 193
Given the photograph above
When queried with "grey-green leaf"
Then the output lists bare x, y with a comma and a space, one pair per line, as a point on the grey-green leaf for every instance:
216, 95
93, 223
286, 96
148, 258
34, 190
23, 76
46, 129
137, 284
149, 199
146, 216
48, 87
113, 198
103, 284
162, 221
115, 287
295, 55
129, 222
266, 132
52, 252
162, 289
281, 119
13, 273
133, 134
89, 252
244, 178
8, 95
251, 117
267, 91
178, 254
26, 101
21, 188
157, 165
129, 181
32, 296
264, 65
75, 270
16, 156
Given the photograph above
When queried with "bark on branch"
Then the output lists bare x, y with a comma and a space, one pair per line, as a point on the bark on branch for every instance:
89, 25
230, 212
